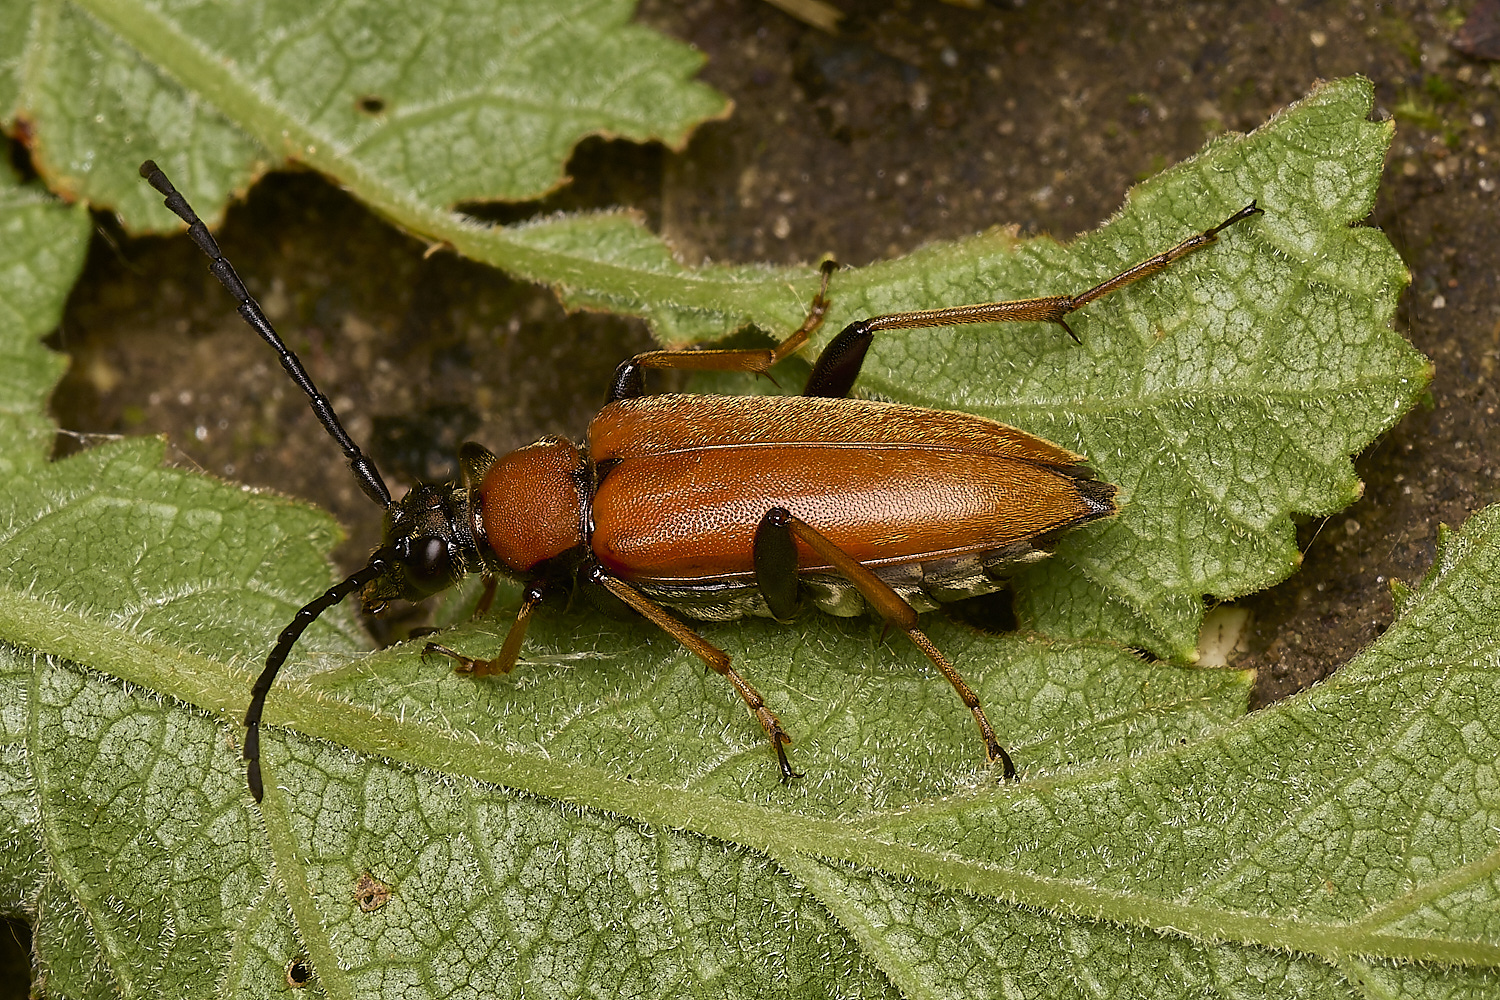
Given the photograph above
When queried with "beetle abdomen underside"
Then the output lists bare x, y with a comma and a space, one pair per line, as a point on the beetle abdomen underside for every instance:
922, 585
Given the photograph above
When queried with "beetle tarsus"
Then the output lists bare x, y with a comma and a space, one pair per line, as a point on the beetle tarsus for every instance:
473, 666
998, 755
463, 664
779, 740
629, 378
1240, 216
712, 656
787, 774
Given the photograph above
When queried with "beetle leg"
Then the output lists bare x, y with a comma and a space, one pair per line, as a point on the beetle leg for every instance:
838, 366
710, 654
629, 380
487, 598
510, 651
775, 559
893, 609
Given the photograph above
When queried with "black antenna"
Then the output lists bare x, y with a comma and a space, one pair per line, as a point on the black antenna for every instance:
379, 563
359, 463
364, 469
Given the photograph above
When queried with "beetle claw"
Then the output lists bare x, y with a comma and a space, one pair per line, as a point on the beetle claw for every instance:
997, 753
787, 774
461, 664
780, 740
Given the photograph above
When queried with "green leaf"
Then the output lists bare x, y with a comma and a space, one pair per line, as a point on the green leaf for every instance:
606, 819
1359, 819
414, 108
41, 252
1318, 846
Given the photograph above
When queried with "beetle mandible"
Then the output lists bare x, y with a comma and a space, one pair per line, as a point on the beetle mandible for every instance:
719, 507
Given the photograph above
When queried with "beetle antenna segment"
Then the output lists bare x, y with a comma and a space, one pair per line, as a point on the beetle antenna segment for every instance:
359, 463
379, 563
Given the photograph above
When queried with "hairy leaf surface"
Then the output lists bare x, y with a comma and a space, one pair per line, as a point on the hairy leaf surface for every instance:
606, 820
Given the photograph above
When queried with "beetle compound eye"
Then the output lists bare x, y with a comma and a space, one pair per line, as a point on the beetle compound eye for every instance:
428, 564
429, 561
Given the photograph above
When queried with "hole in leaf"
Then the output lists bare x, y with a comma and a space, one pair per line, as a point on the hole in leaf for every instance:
298, 973
371, 893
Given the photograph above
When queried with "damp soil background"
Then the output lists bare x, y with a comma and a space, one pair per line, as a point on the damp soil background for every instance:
916, 121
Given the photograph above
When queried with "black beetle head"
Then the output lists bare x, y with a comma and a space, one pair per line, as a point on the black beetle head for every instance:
433, 542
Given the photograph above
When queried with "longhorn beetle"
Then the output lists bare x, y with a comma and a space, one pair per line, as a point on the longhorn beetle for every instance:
724, 506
